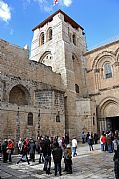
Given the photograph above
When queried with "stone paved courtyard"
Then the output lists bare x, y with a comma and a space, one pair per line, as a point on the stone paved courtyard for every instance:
86, 165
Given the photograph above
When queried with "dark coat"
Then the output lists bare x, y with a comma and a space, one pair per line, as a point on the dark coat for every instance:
32, 147
57, 154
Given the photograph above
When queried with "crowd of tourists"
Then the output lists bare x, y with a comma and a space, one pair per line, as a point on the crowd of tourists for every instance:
58, 149
109, 142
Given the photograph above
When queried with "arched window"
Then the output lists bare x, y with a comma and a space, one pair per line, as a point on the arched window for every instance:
76, 88
58, 117
49, 34
74, 39
42, 38
30, 119
107, 70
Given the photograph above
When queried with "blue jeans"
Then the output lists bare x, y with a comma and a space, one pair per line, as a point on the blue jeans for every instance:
110, 150
74, 151
57, 167
103, 147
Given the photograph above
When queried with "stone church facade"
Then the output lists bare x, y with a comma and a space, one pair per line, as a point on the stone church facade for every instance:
61, 88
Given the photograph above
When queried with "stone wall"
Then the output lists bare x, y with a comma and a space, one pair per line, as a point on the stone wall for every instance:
104, 90
20, 77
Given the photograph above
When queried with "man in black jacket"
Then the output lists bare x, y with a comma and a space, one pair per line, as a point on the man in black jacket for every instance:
57, 157
116, 154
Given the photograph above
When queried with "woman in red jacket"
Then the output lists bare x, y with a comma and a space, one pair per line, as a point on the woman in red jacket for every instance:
103, 141
10, 148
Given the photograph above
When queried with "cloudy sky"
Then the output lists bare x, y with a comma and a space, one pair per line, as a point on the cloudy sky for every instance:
99, 18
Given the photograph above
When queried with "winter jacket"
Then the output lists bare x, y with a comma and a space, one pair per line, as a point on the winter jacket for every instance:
57, 154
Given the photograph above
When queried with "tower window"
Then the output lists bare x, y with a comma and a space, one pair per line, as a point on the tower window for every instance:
93, 120
107, 70
49, 34
58, 117
42, 39
74, 39
30, 119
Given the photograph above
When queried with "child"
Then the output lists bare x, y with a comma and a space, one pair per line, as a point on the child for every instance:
68, 159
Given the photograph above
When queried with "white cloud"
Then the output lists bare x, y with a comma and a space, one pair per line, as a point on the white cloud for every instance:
67, 2
47, 5
5, 13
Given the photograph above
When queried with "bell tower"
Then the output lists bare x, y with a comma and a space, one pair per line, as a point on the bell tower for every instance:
59, 42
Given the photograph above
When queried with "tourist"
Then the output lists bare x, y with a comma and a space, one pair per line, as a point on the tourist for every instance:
39, 148
10, 148
66, 139
109, 142
24, 152
83, 137
74, 146
68, 159
91, 142
4, 151
57, 157
103, 141
116, 154
32, 148
47, 155
87, 136
95, 138
20, 145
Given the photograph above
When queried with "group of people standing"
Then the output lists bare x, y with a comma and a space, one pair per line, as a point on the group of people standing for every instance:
90, 138
110, 142
55, 147
6, 149
45, 147
106, 141
58, 149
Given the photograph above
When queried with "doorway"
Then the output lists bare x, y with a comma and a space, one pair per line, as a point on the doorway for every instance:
112, 123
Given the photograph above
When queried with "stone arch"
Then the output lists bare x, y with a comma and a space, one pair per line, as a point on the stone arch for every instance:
109, 107
100, 58
19, 95
46, 58
44, 55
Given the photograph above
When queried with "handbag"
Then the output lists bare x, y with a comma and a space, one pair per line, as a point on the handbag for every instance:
8, 151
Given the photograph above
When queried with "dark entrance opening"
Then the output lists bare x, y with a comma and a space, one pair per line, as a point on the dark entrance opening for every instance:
113, 123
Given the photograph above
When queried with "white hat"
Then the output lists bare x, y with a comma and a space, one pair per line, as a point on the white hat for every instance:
68, 146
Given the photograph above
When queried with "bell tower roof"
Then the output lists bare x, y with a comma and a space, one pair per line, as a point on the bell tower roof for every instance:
66, 19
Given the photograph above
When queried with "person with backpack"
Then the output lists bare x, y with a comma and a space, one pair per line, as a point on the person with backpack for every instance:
68, 159
116, 154
91, 142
